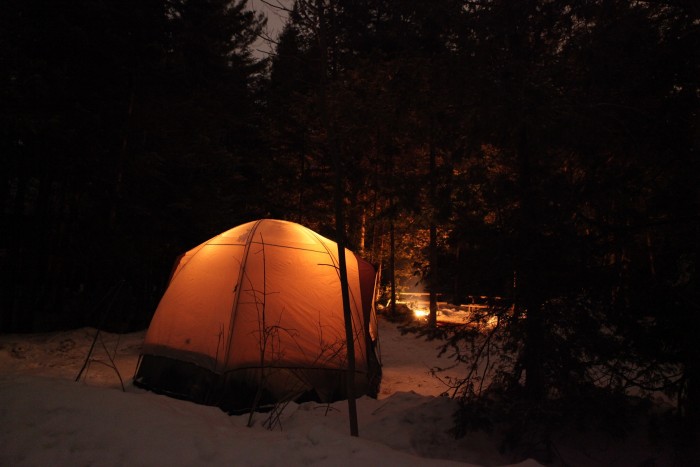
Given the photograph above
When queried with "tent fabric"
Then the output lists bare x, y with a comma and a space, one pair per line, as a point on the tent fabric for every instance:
257, 311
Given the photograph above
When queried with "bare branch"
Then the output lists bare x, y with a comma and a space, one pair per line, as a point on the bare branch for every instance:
277, 5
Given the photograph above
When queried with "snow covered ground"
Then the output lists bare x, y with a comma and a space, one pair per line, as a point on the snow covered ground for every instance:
46, 418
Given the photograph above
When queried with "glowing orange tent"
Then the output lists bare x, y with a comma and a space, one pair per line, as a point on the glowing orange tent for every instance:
255, 315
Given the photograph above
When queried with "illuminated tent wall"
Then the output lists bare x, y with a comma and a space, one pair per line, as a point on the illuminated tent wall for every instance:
255, 315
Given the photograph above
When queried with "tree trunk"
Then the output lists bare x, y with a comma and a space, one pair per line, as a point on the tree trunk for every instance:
392, 270
119, 172
433, 256
350, 343
527, 278
432, 281
690, 404
339, 222
302, 181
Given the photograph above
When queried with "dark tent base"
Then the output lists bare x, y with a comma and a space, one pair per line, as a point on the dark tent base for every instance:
241, 390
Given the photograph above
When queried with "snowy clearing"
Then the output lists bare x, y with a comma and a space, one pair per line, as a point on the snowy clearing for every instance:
49, 419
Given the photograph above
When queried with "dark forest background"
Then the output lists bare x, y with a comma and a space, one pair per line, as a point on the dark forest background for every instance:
541, 151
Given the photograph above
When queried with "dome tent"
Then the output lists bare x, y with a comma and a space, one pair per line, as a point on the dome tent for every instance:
255, 315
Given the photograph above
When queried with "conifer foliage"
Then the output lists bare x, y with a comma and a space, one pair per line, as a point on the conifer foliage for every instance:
128, 133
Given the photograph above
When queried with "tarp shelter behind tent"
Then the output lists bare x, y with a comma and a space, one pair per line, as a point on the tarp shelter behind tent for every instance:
257, 312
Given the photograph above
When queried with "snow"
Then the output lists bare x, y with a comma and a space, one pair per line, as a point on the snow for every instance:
47, 418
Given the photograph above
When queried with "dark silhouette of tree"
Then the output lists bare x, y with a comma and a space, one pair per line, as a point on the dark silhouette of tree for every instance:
117, 111
576, 126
